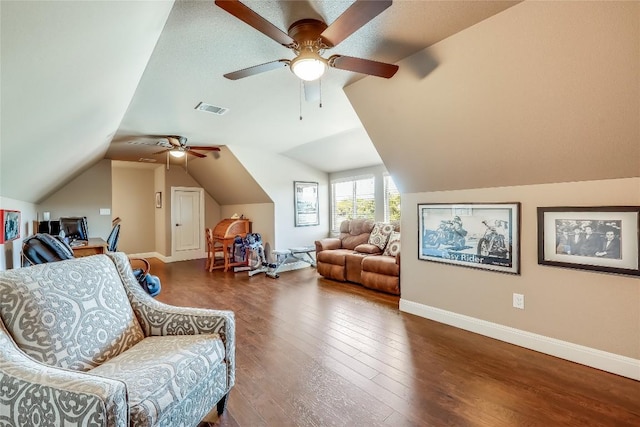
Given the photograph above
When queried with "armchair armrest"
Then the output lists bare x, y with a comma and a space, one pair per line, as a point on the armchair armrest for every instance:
31, 391
327, 244
157, 318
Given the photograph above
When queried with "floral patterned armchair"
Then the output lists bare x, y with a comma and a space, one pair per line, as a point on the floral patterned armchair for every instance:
81, 343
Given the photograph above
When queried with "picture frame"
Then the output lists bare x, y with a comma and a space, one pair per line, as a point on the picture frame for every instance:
158, 199
604, 239
478, 235
10, 225
306, 202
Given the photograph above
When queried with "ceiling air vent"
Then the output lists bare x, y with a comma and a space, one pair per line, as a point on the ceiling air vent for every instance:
211, 108
145, 160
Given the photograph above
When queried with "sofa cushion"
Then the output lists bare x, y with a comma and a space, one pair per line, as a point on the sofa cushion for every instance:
350, 242
161, 372
381, 282
353, 266
381, 264
72, 314
366, 248
393, 246
380, 234
335, 256
360, 226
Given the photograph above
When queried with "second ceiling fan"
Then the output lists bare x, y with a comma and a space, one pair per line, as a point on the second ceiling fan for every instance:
309, 38
177, 147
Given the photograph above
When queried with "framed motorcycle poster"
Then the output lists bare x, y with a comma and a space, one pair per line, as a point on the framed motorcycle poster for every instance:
477, 235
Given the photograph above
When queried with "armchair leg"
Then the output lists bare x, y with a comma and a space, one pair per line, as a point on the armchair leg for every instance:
222, 404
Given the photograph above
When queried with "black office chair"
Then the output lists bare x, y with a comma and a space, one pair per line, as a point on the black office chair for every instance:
112, 240
42, 247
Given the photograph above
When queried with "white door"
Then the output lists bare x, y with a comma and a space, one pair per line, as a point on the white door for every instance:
187, 223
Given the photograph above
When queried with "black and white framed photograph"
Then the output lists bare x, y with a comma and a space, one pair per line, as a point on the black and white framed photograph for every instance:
306, 203
605, 239
478, 235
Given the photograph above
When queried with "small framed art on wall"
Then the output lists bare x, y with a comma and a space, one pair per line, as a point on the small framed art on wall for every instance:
604, 239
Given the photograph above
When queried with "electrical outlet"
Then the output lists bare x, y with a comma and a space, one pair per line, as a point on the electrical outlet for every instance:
518, 301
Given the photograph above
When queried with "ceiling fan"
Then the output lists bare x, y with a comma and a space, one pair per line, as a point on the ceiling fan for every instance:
309, 38
177, 147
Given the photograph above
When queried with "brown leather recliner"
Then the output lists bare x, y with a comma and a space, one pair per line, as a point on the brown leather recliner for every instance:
351, 258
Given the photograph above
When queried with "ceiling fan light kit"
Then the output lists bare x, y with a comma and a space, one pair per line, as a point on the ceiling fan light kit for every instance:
308, 38
178, 154
308, 66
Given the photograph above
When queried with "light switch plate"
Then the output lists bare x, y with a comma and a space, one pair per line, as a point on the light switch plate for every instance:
105, 211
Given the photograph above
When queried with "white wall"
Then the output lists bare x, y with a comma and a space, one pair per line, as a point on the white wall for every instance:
10, 251
276, 175
378, 173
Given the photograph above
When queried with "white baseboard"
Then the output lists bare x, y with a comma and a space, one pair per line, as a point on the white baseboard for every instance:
163, 258
610, 362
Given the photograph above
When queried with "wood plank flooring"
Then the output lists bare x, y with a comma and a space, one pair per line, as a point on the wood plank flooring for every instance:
314, 352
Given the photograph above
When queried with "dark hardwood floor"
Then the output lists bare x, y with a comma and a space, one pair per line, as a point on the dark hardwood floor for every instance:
313, 352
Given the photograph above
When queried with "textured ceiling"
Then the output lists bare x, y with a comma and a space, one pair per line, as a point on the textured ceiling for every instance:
81, 79
201, 42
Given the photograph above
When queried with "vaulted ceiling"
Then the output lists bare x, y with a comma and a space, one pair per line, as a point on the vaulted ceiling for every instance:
82, 81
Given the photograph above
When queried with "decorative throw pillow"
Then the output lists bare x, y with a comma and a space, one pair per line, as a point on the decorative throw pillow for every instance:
380, 234
393, 247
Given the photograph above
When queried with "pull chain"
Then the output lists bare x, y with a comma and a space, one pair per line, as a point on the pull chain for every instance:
320, 84
300, 99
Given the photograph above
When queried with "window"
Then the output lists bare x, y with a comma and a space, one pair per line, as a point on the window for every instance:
391, 200
352, 198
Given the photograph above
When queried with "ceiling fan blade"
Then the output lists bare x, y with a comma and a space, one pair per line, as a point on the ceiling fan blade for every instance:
195, 153
257, 69
205, 148
163, 151
174, 140
312, 90
364, 66
243, 13
358, 14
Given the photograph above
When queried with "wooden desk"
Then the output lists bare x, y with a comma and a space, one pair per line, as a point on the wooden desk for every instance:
94, 246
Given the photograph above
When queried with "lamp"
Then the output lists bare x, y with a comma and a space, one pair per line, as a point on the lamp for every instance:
177, 153
308, 65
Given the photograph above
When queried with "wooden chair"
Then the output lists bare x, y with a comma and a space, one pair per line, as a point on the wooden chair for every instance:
211, 252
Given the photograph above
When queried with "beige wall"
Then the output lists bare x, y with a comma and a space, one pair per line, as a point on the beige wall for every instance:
177, 177
261, 216
596, 310
149, 228
133, 202
542, 92
539, 104
159, 226
84, 196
